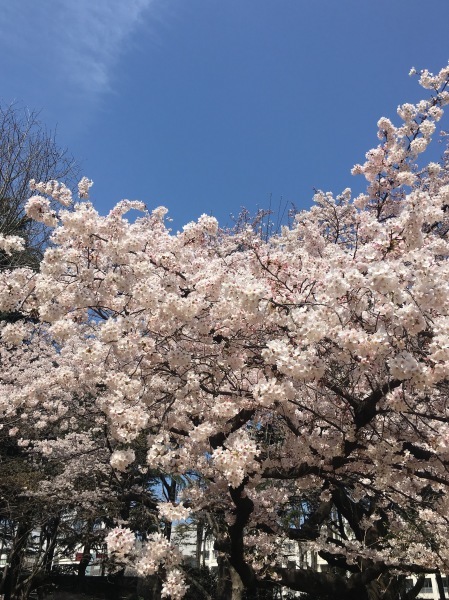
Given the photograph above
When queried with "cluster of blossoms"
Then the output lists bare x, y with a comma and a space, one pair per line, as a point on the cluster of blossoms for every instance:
313, 364
14, 334
120, 459
39, 209
11, 243
157, 551
173, 513
237, 458
148, 558
174, 586
56, 190
83, 188
120, 541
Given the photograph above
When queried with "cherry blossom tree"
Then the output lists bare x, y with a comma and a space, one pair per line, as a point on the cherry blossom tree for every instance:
298, 386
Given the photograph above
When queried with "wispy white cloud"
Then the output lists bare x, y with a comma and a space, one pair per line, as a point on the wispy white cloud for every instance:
68, 46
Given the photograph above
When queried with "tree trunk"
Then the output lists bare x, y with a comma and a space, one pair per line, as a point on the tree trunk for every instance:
85, 560
51, 538
171, 490
155, 588
440, 585
229, 584
237, 585
199, 543
11, 588
224, 584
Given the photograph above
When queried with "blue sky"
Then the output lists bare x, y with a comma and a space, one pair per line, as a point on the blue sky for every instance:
210, 105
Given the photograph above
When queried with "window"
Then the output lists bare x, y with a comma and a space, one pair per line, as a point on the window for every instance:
427, 587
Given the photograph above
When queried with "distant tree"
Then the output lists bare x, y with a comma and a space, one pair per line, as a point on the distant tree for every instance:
27, 151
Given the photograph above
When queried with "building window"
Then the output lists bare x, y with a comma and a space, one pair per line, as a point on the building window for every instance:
427, 587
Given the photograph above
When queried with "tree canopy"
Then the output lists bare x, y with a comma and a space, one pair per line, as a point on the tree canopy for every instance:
296, 386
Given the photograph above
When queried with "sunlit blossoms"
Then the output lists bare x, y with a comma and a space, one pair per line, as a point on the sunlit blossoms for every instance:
39, 209
146, 559
120, 459
173, 513
83, 188
11, 243
120, 541
55, 189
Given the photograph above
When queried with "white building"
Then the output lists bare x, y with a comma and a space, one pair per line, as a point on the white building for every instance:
429, 590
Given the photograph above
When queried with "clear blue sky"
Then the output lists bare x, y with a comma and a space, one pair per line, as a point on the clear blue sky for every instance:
210, 105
